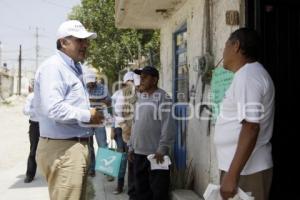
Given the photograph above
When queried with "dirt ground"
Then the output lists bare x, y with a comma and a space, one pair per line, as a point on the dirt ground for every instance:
14, 150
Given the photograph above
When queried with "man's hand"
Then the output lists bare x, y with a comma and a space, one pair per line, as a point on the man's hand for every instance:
106, 102
228, 186
246, 144
100, 102
159, 157
130, 156
112, 134
96, 117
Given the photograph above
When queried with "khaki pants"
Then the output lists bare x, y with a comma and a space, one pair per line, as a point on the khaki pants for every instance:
64, 164
258, 184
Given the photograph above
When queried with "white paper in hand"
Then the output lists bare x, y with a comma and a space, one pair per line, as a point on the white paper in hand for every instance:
212, 192
161, 166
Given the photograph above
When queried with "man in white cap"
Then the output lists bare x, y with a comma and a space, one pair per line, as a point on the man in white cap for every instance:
62, 105
136, 81
99, 97
123, 104
152, 132
34, 134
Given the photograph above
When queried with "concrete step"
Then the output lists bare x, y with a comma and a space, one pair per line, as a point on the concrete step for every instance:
184, 195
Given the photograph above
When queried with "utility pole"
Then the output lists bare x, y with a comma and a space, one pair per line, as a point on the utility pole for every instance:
20, 70
37, 48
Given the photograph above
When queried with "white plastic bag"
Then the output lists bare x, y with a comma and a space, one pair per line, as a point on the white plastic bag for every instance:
212, 192
161, 166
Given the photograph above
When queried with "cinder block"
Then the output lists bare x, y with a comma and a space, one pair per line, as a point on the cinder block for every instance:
184, 195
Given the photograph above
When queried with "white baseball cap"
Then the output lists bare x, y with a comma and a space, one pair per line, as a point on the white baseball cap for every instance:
74, 28
90, 76
128, 77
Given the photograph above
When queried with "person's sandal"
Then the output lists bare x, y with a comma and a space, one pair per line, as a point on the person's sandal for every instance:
109, 178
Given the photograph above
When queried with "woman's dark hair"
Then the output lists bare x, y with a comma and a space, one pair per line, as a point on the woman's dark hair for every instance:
249, 42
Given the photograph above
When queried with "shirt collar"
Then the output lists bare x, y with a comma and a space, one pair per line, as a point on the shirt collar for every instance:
68, 60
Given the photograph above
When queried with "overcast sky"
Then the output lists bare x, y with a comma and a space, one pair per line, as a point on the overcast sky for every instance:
18, 22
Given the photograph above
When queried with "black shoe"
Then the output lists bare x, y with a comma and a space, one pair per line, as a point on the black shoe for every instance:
92, 173
28, 179
118, 190
132, 198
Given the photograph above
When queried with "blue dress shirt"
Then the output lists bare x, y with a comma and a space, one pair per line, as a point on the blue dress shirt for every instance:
61, 98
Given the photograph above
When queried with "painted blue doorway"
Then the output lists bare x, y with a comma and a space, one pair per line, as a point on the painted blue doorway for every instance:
180, 94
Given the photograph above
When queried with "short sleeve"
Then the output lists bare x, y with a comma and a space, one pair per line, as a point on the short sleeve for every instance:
248, 94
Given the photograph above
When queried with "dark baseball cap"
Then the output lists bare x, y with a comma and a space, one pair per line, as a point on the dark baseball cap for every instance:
149, 70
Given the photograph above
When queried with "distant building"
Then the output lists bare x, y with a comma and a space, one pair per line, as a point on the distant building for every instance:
6, 83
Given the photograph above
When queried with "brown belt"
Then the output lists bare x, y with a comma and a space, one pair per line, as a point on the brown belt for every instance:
77, 139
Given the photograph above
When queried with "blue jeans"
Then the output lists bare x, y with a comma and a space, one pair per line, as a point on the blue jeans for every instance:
121, 147
100, 134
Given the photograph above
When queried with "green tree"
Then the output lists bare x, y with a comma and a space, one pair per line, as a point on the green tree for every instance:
113, 48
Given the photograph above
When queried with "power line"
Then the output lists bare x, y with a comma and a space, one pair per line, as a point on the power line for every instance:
15, 28
16, 50
46, 36
46, 48
26, 59
16, 9
55, 4
16, 58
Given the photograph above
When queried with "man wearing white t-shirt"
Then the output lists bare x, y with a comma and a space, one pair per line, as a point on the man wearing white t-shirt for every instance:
245, 124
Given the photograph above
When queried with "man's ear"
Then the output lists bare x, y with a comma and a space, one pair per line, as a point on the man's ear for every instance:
237, 46
63, 42
155, 80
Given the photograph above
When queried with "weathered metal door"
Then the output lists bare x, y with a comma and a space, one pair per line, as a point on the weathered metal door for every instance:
278, 22
180, 94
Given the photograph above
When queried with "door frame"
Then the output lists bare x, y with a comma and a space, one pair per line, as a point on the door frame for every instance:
180, 142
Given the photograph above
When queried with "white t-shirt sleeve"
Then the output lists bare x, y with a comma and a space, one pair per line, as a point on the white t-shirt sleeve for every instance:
249, 91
